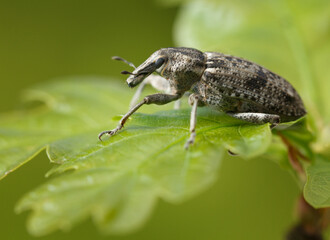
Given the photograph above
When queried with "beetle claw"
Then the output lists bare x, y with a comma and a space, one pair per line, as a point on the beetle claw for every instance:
190, 141
109, 132
102, 133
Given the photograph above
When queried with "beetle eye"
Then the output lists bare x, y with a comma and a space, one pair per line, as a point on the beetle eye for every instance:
159, 62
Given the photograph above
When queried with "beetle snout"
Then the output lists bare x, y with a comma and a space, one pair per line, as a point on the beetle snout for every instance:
144, 70
134, 80
130, 82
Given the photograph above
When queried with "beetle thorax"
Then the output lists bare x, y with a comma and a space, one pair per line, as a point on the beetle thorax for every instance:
183, 68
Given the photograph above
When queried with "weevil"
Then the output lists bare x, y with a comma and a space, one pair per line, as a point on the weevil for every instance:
235, 86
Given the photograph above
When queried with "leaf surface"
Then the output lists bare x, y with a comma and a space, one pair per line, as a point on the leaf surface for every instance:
118, 181
317, 188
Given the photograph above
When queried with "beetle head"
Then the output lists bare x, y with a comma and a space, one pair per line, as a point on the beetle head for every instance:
152, 64
181, 66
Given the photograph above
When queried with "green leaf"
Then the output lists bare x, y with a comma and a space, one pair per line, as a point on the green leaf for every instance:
299, 135
68, 108
118, 181
317, 188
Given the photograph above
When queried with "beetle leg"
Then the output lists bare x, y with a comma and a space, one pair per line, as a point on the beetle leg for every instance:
258, 118
156, 82
194, 101
158, 98
137, 94
177, 104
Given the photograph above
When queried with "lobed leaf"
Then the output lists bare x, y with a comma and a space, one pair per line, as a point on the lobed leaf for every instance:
118, 181
68, 108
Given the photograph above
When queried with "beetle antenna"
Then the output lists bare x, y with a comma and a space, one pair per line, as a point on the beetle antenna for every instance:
123, 60
127, 72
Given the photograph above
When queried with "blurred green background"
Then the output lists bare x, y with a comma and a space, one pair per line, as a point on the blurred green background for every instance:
41, 40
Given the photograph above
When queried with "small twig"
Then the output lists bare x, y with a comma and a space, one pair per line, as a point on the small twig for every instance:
312, 222
293, 154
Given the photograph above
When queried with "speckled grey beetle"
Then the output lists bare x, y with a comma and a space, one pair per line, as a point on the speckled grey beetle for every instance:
240, 88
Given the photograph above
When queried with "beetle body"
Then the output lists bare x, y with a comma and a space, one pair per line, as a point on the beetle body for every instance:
238, 87
230, 84
243, 86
